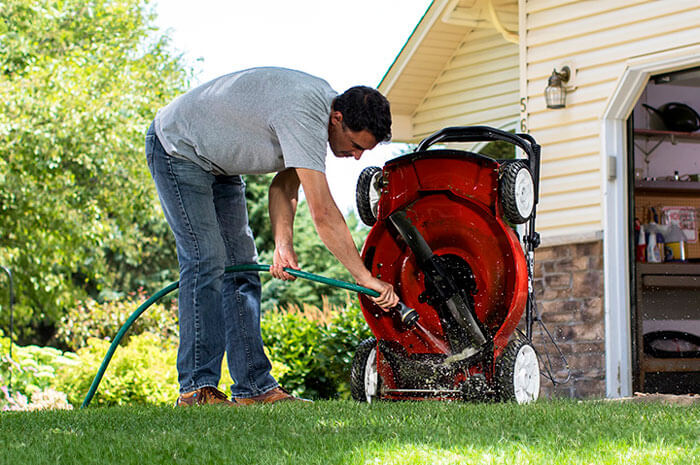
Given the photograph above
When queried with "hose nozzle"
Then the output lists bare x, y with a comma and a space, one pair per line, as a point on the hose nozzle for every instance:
409, 316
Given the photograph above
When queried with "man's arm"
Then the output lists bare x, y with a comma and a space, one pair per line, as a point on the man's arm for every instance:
334, 233
283, 197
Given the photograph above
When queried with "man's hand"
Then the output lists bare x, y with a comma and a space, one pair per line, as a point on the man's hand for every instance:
334, 233
387, 297
284, 257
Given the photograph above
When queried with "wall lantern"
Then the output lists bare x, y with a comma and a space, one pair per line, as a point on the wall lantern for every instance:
555, 93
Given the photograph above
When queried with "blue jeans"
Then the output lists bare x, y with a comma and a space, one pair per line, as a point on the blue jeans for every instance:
219, 312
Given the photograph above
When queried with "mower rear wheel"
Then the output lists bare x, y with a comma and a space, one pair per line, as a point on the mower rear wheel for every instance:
517, 192
517, 374
367, 194
364, 378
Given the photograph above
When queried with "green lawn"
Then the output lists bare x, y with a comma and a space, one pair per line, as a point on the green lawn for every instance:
345, 432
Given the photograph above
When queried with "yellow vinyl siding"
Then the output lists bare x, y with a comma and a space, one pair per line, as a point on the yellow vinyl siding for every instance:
579, 164
428, 49
570, 234
589, 145
583, 216
600, 21
573, 199
452, 74
472, 107
597, 37
442, 101
469, 88
479, 85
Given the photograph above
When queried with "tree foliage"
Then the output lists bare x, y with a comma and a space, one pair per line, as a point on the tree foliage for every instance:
313, 256
80, 80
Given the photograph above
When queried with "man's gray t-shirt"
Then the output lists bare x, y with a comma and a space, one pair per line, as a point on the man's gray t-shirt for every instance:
260, 120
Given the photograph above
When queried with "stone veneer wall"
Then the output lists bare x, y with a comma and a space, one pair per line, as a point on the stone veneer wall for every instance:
569, 289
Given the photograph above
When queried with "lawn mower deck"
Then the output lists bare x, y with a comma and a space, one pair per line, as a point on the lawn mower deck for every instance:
442, 236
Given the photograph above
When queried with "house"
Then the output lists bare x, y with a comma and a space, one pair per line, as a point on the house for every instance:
488, 62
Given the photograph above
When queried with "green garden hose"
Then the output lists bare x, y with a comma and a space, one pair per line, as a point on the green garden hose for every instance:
171, 287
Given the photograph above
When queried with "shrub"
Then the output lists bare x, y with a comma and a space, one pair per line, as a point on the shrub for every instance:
103, 320
311, 350
340, 338
293, 339
141, 372
33, 372
317, 345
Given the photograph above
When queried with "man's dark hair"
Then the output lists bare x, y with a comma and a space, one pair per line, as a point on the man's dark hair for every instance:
365, 108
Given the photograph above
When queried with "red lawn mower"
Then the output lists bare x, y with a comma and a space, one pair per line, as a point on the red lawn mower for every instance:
442, 233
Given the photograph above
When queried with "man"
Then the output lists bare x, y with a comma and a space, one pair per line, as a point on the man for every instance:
259, 120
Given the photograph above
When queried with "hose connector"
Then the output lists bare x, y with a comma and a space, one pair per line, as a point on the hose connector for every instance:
409, 316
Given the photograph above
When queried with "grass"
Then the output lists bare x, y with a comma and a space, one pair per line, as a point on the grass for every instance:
344, 432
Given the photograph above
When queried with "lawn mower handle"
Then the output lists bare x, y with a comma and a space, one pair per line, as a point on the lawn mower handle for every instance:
486, 134
477, 134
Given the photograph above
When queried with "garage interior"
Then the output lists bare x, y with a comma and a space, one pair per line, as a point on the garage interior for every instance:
664, 206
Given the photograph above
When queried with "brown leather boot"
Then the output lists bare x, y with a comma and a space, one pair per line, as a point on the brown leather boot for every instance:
207, 395
270, 397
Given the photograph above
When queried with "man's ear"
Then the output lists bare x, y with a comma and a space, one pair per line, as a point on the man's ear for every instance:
336, 118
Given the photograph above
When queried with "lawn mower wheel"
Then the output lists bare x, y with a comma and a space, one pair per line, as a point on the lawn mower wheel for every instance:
517, 374
517, 191
367, 194
364, 378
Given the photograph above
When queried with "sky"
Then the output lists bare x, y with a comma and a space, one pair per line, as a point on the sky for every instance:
347, 43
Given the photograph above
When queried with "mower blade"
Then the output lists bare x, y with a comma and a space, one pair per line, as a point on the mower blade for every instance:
464, 316
431, 265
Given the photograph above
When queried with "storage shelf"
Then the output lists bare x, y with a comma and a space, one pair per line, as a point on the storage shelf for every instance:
663, 136
656, 284
653, 364
671, 135
668, 186
671, 281
670, 269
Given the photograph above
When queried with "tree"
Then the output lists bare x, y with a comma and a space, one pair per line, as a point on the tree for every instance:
313, 256
80, 80
500, 150
256, 189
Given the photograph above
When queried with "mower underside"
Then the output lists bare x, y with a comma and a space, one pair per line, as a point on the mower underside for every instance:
440, 238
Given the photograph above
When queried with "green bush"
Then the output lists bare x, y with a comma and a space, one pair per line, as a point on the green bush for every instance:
316, 345
294, 339
33, 371
311, 350
340, 338
103, 320
141, 372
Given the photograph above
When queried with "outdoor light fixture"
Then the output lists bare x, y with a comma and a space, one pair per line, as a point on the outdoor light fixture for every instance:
555, 93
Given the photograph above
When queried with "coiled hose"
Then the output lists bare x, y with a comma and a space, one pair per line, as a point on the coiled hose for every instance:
171, 287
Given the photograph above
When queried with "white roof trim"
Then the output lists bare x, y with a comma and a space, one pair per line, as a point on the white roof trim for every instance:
422, 29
